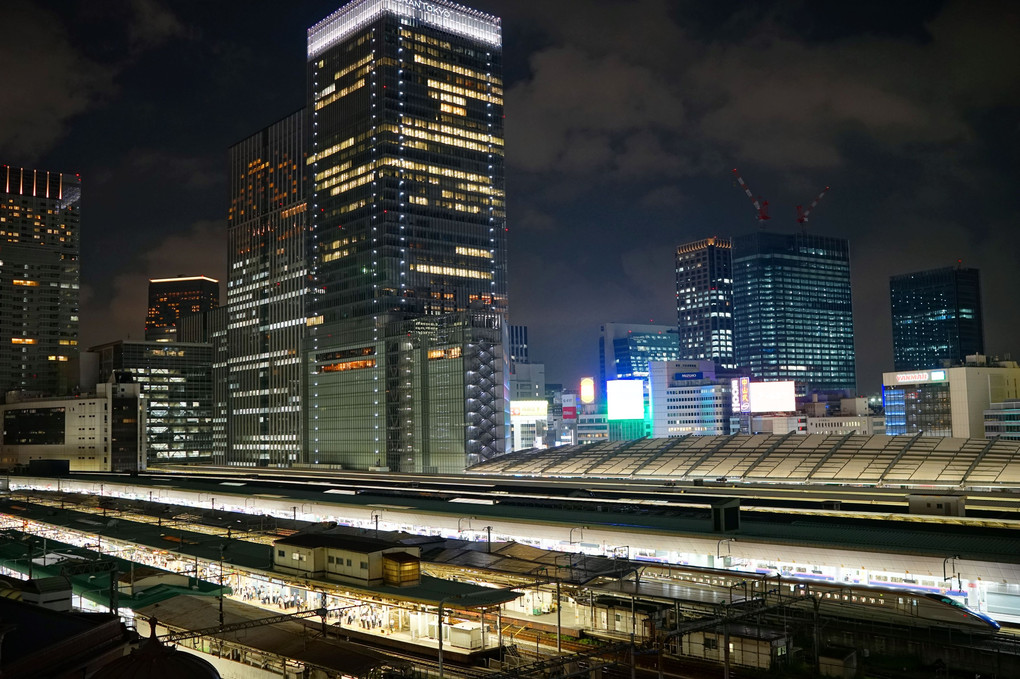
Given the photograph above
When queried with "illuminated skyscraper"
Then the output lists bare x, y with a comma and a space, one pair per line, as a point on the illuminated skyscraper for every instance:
39, 273
265, 298
936, 318
704, 301
407, 224
172, 298
793, 317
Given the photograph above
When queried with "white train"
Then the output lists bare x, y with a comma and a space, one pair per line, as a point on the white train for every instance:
896, 605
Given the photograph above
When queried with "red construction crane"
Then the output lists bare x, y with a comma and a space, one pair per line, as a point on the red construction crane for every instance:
802, 214
761, 205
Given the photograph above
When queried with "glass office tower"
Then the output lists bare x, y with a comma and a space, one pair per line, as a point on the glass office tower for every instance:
266, 293
704, 301
936, 318
39, 275
407, 222
793, 317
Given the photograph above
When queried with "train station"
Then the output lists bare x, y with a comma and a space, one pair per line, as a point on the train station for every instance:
518, 561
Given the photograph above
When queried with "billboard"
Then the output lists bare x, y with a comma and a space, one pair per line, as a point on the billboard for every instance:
587, 390
529, 410
626, 399
569, 407
772, 397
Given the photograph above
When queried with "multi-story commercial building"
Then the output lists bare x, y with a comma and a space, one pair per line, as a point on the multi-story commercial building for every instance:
94, 433
266, 294
949, 401
936, 318
592, 424
1002, 420
408, 230
686, 398
426, 396
39, 275
172, 298
176, 383
527, 382
793, 317
704, 301
625, 350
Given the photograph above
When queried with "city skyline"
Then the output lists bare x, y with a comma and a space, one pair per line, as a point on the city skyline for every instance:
614, 158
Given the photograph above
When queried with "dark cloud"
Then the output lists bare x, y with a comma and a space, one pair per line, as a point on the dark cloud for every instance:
623, 120
152, 23
46, 82
201, 249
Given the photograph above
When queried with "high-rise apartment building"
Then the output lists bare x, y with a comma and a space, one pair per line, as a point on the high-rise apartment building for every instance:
936, 318
704, 301
266, 294
405, 105
172, 298
793, 317
39, 276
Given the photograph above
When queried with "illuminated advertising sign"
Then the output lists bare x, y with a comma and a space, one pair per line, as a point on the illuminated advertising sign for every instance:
569, 407
921, 376
626, 399
745, 394
587, 390
734, 395
772, 397
529, 410
689, 376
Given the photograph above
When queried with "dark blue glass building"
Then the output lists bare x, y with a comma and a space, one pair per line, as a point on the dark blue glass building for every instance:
936, 318
793, 317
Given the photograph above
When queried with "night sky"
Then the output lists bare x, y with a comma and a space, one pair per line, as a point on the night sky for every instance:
623, 122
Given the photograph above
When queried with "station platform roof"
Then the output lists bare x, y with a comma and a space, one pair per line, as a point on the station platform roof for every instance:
250, 556
767, 458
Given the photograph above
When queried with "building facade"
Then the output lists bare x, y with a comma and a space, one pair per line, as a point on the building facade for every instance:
172, 298
519, 352
704, 301
936, 318
266, 292
685, 398
625, 350
39, 278
405, 104
947, 402
793, 315
176, 383
423, 395
100, 433
1002, 420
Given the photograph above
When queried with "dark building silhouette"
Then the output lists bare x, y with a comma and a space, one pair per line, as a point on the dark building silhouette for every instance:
936, 318
172, 298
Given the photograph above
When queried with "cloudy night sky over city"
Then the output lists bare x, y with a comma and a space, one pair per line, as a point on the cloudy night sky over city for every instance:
623, 123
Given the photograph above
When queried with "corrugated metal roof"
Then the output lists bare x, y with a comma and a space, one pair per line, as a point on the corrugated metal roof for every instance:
902, 460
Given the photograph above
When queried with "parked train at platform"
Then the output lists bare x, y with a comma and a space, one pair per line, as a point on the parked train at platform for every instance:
872, 603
